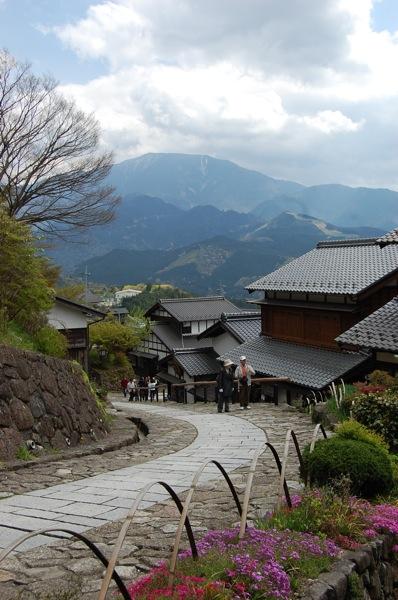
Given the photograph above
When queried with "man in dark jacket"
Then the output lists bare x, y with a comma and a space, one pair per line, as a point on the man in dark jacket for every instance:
225, 386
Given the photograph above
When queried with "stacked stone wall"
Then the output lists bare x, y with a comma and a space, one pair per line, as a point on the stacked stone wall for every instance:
370, 573
46, 400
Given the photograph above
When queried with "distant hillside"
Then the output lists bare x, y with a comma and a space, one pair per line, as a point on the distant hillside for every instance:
188, 180
342, 205
220, 264
298, 233
148, 223
212, 266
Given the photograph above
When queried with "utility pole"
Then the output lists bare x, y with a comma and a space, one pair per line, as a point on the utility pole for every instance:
86, 276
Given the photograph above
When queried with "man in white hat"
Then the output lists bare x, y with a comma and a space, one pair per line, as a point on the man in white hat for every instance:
225, 386
243, 374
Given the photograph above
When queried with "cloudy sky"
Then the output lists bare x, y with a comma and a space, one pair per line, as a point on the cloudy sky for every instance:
298, 89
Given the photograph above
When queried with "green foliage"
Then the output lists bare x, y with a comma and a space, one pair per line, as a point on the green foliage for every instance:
72, 291
114, 337
111, 377
379, 412
354, 589
14, 335
368, 468
46, 340
340, 412
352, 430
24, 292
50, 341
379, 377
308, 568
321, 512
121, 361
23, 454
151, 295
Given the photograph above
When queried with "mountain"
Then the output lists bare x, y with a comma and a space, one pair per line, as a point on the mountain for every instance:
343, 205
298, 233
148, 223
213, 266
219, 264
188, 180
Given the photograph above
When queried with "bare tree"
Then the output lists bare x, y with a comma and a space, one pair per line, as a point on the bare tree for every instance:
51, 169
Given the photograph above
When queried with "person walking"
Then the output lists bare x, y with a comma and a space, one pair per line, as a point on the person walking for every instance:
130, 389
243, 374
152, 383
225, 386
141, 390
123, 385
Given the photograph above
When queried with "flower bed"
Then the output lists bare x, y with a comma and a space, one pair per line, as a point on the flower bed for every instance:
265, 564
276, 560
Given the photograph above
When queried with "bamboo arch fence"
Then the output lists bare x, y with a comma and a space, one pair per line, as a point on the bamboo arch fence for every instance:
183, 509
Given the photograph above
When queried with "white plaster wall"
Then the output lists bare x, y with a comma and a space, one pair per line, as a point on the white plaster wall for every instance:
223, 343
65, 317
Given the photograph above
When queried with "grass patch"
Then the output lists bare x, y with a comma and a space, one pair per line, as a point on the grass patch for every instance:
23, 454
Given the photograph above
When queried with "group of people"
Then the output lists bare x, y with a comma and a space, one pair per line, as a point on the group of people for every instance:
142, 389
225, 384
145, 387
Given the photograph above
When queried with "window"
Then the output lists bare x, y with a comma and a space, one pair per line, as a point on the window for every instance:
187, 328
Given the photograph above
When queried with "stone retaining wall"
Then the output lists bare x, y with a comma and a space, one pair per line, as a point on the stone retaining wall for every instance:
44, 399
370, 573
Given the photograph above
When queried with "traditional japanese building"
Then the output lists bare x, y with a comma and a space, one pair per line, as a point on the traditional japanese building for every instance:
377, 334
232, 329
190, 365
176, 324
72, 319
311, 301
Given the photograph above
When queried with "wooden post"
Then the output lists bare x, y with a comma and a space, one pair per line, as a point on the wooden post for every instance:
275, 395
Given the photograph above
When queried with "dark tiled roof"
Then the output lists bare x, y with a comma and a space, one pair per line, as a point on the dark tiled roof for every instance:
197, 361
378, 331
389, 238
346, 267
82, 307
304, 365
168, 335
198, 309
244, 326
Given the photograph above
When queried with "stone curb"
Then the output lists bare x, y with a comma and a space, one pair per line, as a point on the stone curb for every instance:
374, 565
107, 445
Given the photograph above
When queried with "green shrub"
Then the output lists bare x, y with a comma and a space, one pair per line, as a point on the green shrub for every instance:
50, 341
368, 468
352, 430
94, 358
381, 378
16, 336
379, 412
122, 361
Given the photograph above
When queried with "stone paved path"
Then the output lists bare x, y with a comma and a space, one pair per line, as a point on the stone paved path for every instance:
69, 571
94, 501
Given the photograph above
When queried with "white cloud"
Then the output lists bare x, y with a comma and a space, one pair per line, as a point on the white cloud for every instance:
295, 88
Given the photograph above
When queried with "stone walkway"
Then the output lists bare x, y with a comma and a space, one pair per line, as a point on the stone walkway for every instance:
68, 570
94, 501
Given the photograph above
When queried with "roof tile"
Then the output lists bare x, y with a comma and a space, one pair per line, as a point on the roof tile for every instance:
378, 331
346, 267
304, 365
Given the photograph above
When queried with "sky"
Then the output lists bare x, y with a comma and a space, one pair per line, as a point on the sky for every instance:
305, 90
